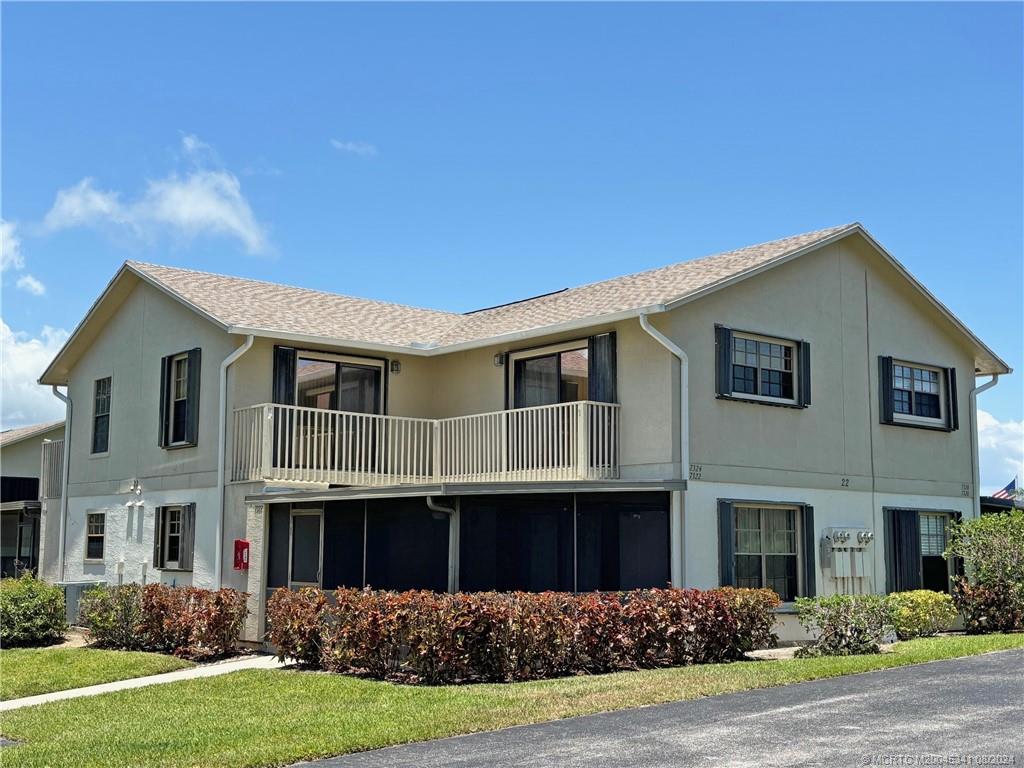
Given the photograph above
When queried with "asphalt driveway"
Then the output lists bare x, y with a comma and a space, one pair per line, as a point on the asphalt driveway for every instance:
960, 709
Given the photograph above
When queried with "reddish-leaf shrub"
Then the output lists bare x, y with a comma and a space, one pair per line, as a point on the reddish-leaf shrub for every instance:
995, 607
188, 622
434, 638
295, 620
754, 612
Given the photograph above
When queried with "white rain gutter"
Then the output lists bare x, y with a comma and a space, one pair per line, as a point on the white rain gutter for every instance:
65, 468
975, 458
221, 448
676, 518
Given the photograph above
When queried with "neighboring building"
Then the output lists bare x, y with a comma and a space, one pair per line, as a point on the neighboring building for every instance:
815, 437
21, 456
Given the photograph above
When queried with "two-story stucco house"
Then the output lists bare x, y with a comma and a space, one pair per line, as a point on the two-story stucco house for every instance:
797, 414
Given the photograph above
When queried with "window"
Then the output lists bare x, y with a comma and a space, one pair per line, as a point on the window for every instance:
915, 394
179, 399
766, 549
559, 376
101, 416
935, 571
762, 368
915, 541
174, 537
340, 383
95, 525
575, 371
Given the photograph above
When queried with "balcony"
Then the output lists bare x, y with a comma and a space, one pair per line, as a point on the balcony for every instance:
286, 443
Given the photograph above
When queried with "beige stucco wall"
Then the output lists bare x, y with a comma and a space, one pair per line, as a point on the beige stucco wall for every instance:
24, 458
852, 307
148, 326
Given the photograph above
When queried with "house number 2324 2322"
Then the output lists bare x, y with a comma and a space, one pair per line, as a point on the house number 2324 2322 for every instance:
695, 471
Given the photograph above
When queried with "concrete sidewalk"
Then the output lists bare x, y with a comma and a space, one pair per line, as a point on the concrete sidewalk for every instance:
203, 670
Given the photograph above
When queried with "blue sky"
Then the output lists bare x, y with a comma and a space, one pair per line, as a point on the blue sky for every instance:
459, 156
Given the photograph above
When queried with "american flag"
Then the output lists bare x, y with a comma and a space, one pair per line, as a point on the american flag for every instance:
1008, 492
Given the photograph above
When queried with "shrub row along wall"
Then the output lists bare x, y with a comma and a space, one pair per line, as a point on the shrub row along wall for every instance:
31, 612
188, 622
434, 638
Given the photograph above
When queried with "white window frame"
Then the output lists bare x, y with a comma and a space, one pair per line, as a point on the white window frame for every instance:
798, 522
102, 515
330, 357
172, 399
165, 527
110, 408
794, 356
910, 418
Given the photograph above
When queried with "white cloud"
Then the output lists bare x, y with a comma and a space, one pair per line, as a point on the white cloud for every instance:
83, 204
1000, 450
30, 284
10, 247
202, 202
354, 147
22, 360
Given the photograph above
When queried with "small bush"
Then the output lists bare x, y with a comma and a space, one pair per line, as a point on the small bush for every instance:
427, 637
188, 622
31, 612
921, 613
991, 598
844, 624
989, 607
754, 611
113, 615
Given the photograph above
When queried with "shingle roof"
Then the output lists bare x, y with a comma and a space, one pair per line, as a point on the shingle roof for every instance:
10, 436
253, 304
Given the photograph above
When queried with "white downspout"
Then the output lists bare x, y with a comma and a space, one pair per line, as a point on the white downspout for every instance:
65, 461
222, 441
676, 517
453, 540
975, 459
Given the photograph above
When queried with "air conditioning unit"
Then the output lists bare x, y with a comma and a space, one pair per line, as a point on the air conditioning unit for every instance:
73, 591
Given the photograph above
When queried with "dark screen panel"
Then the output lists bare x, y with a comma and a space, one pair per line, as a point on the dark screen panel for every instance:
343, 544
622, 541
277, 549
516, 543
406, 545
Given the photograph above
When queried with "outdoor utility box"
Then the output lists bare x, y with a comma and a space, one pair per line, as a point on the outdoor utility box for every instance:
844, 550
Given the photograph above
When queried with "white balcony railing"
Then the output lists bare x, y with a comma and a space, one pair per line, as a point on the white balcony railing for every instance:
51, 471
286, 443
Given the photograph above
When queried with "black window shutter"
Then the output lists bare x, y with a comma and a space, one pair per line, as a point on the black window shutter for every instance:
804, 363
602, 373
885, 390
726, 544
192, 404
284, 375
165, 393
810, 536
952, 412
188, 536
723, 360
158, 539
907, 549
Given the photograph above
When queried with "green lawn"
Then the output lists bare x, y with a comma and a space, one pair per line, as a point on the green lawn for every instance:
28, 671
263, 718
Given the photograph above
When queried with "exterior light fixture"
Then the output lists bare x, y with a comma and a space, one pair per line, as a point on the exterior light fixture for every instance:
396, 366
499, 360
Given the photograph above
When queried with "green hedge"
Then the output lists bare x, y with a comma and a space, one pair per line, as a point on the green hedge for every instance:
31, 612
